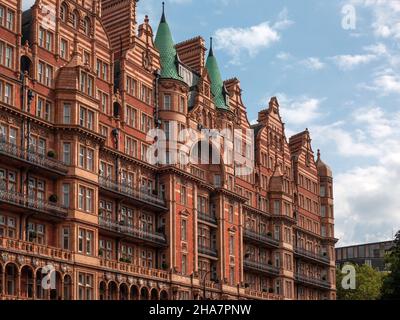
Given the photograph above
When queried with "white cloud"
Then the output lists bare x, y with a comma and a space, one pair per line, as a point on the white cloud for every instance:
250, 40
313, 63
349, 62
366, 197
387, 82
299, 111
386, 16
283, 56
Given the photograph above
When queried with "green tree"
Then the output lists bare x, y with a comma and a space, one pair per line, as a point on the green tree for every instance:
368, 284
391, 284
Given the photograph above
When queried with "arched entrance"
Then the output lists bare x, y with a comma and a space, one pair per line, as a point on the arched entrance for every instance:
102, 291
11, 277
123, 292
67, 289
55, 294
144, 294
154, 294
112, 291
27, 282
163, 295
40, 291
134, 294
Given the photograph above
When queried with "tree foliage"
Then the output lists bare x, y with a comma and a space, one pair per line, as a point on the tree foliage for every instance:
368, 284
391, 284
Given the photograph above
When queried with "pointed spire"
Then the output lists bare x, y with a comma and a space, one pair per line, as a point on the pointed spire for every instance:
319, 155
163, 19
211, 53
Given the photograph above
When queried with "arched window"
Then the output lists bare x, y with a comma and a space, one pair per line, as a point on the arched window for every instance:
75, 19
64, 12
86, 26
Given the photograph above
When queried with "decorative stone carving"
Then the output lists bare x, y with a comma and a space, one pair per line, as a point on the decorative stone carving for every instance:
109, 276
21, 259
4, 256
35, 262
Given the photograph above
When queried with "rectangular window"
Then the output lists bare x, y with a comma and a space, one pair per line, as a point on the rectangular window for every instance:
184, 230
131, 116
231, 245
86, 83
183, 195
81, 195
9, 57
131, 86
49, 41
167, 102
277, 207
65, 235
85, 199
184, 264
67, 113
232, 276
231, 214
63, 49
66, 195
10, 19
131, 147
42, 33
2, 10
182, 105
85, 242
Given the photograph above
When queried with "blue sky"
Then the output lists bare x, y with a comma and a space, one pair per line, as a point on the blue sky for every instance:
344, 85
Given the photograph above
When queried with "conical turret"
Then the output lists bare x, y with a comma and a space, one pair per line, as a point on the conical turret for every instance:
217, 85
166, 47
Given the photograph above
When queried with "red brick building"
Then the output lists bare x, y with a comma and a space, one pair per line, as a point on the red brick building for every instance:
81, 85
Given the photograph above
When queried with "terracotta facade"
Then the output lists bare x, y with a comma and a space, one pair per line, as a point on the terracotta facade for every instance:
77, 97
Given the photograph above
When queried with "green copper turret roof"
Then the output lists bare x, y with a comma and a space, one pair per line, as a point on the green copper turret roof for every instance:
168, 55
217, 85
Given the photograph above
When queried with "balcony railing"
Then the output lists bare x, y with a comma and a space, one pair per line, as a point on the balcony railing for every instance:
207, 217
32, 157
197, 172
115, 226
263, 295
312, 255
208, 251
134, 270
261, 267
261, 238
136, 194
29, 248
24, 201
319, 283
